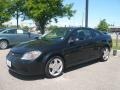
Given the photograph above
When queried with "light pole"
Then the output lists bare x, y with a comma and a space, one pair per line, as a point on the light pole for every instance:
83, 19
86, 13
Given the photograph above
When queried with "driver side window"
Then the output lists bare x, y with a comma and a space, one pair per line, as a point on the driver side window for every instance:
81, 35
78, 35
11, 31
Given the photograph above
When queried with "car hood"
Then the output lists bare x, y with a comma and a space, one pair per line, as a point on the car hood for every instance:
33, 45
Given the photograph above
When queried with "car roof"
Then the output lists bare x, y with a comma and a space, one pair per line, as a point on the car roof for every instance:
10, 29
75, 28
84, 28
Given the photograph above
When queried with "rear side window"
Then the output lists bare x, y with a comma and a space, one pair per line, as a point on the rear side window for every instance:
25, 32
96, 34
19, 31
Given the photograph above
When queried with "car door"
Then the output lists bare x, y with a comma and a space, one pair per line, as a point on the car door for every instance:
23, 37
97, 43
89, 45
79, 50
86, 45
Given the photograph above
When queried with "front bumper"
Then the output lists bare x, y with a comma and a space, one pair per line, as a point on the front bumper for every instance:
25, 67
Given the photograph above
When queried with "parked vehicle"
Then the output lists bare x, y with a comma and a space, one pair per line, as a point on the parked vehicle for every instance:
14, 36
58, 50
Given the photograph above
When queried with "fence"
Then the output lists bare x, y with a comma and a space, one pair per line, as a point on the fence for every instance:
116, 40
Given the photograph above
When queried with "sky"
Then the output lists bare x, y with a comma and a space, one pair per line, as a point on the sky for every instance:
98, 10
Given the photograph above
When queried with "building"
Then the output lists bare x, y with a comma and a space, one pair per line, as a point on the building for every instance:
115, 29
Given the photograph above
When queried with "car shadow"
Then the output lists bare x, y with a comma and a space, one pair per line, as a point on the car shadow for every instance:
10, 47
26, 78
40, 77
79, 66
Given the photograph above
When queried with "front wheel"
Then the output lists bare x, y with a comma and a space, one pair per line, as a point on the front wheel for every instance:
105, 54
54, 67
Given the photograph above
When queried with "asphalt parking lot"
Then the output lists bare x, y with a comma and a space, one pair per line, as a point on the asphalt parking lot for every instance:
90, 76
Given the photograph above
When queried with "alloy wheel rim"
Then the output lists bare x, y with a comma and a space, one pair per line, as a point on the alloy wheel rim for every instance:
55, 67
3, 44
106, 53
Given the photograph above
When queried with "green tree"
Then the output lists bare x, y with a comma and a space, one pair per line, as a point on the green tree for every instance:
25, 28
103, 25
52, 27
4, 14
16, 9
43, 11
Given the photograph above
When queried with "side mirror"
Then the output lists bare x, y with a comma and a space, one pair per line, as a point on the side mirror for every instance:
36, 38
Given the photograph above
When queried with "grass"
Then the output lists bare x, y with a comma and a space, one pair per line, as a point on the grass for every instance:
114, 44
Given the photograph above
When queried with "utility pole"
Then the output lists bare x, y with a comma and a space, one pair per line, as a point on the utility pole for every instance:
83, 20
17, 18
86, 13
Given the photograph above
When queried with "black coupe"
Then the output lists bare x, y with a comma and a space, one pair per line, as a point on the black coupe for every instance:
58, 50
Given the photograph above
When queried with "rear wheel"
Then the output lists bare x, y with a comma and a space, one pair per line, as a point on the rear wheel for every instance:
3, 44
105, 54
54, 67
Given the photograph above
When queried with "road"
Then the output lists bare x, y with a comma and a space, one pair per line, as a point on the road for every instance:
90, 76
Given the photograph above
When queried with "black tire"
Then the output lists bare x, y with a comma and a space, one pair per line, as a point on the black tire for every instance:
47, 69
3, 44
105, 56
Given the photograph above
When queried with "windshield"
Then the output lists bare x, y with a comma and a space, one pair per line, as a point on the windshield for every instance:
56, 34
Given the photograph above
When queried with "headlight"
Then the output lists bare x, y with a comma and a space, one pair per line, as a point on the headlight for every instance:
31, 55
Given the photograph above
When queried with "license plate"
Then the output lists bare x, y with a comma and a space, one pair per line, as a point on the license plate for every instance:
8, 63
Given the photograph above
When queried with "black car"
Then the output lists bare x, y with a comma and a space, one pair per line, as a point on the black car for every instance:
58, 50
